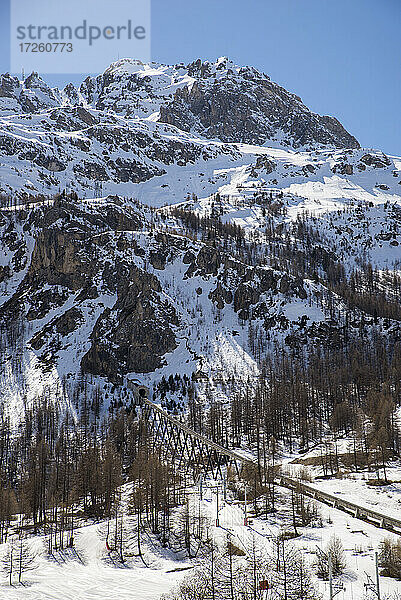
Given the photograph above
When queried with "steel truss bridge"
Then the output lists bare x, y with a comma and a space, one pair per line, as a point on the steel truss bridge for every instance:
178, 443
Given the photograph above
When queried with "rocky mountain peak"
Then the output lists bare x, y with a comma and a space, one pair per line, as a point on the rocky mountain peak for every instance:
34, 81
27, 96
234, 103
8, 85
217, 100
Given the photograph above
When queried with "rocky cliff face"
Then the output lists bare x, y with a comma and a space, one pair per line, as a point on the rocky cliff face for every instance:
28, 96
73, 271
105, 283
83, 275
81, 265
218, 100
81, 149
136, 332
244, 105
110, 287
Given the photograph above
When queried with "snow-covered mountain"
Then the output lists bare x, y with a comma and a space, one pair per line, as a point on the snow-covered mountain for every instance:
126, 125
204, 213
219, 100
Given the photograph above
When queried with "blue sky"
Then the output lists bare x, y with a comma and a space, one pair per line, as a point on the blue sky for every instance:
342, 57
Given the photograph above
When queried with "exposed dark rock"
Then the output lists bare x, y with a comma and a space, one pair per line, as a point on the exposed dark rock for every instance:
244, 296
221, 296
343, 168
42, 302
189, 258
207, 262
263, 163
135, 334
63, 325
376, 161
9, 86
69, 321
158, 260
86, 116
5, 272
248, 107
59, 259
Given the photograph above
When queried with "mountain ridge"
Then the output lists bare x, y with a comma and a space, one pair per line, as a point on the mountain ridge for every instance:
131, 88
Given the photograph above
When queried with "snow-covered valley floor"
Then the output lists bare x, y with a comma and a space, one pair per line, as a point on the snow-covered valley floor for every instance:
66, 577
89, 575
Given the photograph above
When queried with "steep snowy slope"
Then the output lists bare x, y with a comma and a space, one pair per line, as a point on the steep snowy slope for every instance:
115, 286
84, 150
105, 292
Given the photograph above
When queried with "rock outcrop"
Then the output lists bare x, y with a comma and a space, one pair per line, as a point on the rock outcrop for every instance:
243, 105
